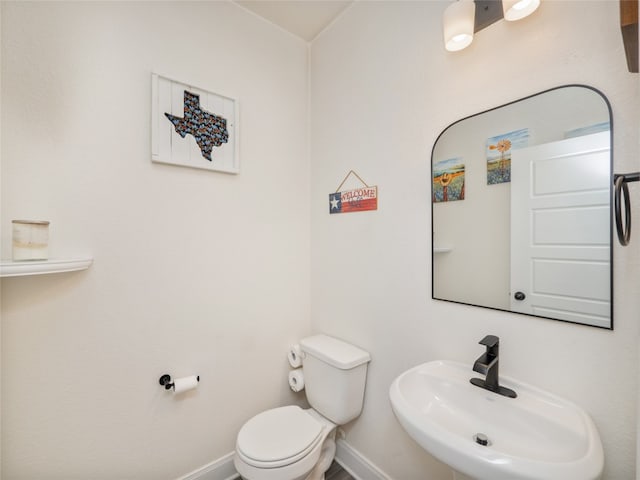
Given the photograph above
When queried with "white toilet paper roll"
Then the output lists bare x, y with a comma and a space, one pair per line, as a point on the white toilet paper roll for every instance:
296, 380
185, 383
295, 356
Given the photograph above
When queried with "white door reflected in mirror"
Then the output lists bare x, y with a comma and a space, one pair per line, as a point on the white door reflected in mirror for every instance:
560, 217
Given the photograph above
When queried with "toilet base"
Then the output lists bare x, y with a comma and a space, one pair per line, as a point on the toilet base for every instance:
327, 455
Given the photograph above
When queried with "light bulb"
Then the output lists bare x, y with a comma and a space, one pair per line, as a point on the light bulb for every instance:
518, 9
458, 25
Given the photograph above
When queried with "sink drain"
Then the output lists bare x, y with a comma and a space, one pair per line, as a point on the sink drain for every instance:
482, 439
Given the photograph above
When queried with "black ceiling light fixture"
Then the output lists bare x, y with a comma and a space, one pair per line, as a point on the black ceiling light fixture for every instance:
463, 18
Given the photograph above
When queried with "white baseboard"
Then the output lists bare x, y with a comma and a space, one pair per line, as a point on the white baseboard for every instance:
358, 466
221, 469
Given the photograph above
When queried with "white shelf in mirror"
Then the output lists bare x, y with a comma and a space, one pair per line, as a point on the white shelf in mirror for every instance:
9, 268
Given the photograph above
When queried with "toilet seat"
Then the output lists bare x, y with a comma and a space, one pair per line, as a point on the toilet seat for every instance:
278, 437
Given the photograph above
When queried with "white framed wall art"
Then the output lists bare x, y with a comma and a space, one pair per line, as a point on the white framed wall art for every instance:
193, 127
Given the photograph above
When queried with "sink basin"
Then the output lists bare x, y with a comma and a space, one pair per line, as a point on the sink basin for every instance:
536, 436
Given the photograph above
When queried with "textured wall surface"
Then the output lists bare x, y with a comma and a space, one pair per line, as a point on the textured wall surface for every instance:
382, 89
195, 272
199, 272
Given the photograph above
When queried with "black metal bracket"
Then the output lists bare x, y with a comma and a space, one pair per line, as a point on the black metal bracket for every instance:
165, 381
488, 12
622, 190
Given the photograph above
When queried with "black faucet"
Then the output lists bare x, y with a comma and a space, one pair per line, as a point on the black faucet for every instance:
487, 364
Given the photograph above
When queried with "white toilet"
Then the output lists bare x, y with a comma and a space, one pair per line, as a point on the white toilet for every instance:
289, 443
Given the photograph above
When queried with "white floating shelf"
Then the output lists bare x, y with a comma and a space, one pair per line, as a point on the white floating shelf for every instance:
9, 268
442, 249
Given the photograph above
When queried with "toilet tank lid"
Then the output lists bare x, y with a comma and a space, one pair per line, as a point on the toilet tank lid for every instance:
335, 352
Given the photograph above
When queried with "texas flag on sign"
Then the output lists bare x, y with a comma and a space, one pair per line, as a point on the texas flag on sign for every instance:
357, 200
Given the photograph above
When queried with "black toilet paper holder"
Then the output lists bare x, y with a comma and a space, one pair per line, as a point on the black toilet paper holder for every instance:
165, 381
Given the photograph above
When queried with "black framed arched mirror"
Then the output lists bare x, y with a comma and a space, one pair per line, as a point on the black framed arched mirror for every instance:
521, 208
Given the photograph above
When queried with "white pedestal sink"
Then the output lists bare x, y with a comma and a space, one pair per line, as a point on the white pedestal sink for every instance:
536, 436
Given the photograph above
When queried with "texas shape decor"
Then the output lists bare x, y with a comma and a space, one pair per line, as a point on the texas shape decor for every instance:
192, 127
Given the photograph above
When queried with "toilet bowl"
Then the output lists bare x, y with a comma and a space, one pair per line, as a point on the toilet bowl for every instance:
286, 443
289, 443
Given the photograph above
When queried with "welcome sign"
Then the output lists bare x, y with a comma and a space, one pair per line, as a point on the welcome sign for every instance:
355, 200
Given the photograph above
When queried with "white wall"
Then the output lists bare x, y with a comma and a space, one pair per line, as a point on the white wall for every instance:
209, 273
382, 89
0, 242
195, 271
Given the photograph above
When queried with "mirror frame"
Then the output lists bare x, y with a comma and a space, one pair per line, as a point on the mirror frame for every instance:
611, 213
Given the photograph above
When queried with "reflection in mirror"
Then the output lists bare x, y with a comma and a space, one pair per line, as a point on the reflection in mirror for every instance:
521, 208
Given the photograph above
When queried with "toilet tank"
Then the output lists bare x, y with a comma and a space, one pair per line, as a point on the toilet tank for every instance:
334, 377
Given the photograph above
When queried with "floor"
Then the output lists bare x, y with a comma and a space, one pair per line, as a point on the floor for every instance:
336, 472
